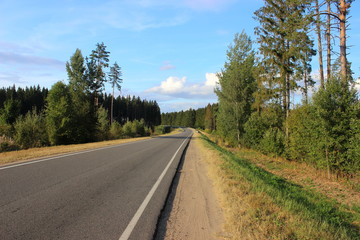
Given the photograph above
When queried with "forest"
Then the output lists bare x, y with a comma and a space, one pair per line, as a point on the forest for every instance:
75, 112
257, 87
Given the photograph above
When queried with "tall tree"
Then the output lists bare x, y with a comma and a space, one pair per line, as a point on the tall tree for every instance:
58, 115
282, 32
237, 85
100, 59
319, 38
115, 80
84, 117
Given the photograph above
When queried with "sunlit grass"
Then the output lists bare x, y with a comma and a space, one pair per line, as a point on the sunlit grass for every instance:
277, 208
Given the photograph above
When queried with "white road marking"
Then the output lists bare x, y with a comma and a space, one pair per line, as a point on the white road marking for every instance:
70, 154
130, 227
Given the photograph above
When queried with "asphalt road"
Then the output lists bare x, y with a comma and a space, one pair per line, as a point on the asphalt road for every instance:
90, 195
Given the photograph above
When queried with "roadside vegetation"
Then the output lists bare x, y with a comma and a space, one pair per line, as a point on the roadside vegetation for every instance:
262, 205
75, 112
288, 167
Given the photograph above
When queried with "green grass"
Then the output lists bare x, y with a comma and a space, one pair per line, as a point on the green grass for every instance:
310, 206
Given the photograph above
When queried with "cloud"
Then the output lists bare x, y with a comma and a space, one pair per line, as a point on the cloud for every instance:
167, 66
178, 87
172, 85
15, 58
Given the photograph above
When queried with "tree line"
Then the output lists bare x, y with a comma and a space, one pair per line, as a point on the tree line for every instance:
75, 112
255, 107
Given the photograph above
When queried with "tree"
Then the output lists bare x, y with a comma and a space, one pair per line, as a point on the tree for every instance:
84, 115
58, 115
209, 118
30, 131
237, 86
99, 59
282, 34
115, 80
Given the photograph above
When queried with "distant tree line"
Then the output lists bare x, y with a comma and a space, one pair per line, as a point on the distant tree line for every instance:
203, 118
76, 112
255, 90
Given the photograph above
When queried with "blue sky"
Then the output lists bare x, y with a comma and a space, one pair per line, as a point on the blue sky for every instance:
169, 50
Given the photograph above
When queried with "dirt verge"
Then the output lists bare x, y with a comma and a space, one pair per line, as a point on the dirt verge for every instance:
192, 210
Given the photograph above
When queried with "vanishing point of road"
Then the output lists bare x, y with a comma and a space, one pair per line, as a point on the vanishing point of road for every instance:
115, 192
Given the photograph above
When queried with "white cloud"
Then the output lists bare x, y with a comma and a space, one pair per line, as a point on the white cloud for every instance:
172, 85
178, 87
357, 84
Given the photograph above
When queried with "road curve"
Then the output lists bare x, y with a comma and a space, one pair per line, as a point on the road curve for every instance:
90, 195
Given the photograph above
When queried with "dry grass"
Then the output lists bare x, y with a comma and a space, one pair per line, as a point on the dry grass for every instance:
34, 153
344, 191
251, 213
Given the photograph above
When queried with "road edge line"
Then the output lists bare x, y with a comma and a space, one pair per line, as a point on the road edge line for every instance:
130, 227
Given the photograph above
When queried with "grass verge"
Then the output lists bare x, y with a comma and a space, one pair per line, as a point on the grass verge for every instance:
261, 205
33, 153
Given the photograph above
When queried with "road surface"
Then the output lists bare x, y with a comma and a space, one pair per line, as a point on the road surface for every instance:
111, 193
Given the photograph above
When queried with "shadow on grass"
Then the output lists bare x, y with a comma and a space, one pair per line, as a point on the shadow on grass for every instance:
293, 197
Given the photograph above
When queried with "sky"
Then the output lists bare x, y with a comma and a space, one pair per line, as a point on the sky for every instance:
169, 50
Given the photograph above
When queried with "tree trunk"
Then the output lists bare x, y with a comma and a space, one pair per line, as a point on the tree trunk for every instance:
306, 81
328, 40
342, 17
112, 107
318, 31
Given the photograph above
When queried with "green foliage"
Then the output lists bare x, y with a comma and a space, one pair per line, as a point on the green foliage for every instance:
307, 205
162, 129
336, 109
58, 115
138, 128
272, 142
103, 126
83, 116
127, 129
258, 124
30, 131
10, 111
116, 130
305, 141
235, 92
354, 145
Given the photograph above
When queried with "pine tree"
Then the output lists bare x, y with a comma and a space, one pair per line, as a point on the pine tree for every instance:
99, 59
115, 80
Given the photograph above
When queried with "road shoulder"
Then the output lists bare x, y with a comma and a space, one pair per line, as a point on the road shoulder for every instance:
193, 210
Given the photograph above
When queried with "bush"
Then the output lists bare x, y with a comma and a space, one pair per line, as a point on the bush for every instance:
7, 144
258, 124
272, 142
138, 128
127, 129
305, 136
162, 129
30, 131
116, 130
102, 124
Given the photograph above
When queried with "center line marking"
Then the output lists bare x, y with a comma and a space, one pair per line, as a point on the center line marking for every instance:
130, 227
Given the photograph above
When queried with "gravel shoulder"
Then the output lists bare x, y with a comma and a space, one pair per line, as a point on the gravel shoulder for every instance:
193, 210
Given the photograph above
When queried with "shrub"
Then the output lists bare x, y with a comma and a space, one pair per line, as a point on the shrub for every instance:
272, 142
30, 131
116, 130
127, 129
